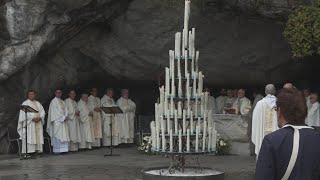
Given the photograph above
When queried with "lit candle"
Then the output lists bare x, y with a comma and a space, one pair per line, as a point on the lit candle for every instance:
185, 63
176, 121
163, 140
197, 139
171, 141
204, 135
180, 142
191, 122
210, 138
184, 122
188, 140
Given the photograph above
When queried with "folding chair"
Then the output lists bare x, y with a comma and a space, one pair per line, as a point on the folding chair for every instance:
13, 136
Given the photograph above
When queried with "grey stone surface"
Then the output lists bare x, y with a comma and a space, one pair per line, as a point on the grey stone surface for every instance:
46, 44
91, 165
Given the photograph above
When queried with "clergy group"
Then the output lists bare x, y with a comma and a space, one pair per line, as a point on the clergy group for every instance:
73, 126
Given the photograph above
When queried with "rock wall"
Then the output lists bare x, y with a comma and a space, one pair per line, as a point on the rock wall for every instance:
46, 44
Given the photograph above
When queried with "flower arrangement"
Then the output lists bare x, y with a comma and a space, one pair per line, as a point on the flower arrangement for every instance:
223, 146
146, 145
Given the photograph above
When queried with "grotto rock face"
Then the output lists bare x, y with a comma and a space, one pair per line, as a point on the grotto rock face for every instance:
46, 44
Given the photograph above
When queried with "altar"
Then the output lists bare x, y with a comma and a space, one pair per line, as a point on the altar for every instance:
234, 128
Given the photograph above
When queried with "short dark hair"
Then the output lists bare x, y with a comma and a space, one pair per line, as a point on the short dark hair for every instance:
292, 105
29, 91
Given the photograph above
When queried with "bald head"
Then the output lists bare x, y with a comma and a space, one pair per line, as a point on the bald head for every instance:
270, 89
288, 86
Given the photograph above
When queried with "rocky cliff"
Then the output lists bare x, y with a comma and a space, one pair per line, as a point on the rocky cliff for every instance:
49, 43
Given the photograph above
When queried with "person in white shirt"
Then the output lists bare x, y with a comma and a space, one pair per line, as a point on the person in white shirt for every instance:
307, 93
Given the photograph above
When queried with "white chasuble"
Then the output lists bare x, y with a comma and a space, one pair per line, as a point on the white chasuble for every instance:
73, 123
313, 118
86, 126
94, 102
57, 127
126, 120
34, 130
242, 105
107, 101
264, 120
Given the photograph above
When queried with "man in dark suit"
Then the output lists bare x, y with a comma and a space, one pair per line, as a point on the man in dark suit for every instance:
277, 147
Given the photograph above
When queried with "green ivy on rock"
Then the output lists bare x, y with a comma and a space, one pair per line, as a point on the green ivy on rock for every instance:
303, 30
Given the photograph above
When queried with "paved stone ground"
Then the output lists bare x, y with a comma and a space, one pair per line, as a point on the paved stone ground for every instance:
92, 165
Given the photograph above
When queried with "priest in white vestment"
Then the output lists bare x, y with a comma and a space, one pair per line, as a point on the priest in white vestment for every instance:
242, 105
34, 123
73, 121
86, 124
313, 118
264, 118
307, 93
107, 101
57, 127
126, 120
221, 101
94, 106
211, 102
229, 99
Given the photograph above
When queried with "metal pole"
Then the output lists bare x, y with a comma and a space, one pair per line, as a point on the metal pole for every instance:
26, 133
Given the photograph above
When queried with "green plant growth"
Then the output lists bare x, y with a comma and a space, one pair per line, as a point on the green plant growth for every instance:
303, 30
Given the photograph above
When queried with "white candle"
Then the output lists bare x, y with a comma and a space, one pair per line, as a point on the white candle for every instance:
194, 87
165, 107
156, 115
204, 135
176, 121
163, 141
186, 13
177, 45
197, 61
180, 142
184, 39
184, 122
172, 75
168, 124
187, 86
200, 83
196, 106
171, 141
153, 135
158, 140
179, 109
193, 40
185, 63
180, 88
206, 99
197, 139
188, 108
210, 138
202, 105
179, 67
171, 107
191, 122
192, 65
167, 82
199, 124
190, 43
214, 140
188, 140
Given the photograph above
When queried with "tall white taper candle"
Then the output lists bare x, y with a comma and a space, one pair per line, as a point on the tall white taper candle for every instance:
188, 140
197, 139
171, 141
163, 140
180, 142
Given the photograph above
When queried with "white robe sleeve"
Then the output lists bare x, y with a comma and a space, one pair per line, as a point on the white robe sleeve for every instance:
257, 126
